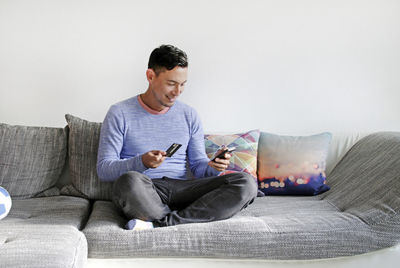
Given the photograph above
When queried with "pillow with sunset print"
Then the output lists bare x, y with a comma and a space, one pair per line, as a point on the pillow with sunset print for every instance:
292, 165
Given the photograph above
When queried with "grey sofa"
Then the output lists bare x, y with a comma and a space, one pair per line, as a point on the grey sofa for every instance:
62, 216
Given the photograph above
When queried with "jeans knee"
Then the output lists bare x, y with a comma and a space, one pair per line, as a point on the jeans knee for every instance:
135, 195
128, 182
249, 185
125, 186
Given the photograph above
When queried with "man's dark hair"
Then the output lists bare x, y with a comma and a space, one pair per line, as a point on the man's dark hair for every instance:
167, 56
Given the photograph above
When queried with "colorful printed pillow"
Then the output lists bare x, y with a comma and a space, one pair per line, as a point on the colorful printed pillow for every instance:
244, 158
289, 165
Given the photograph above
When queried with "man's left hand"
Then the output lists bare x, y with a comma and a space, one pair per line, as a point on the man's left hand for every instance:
221, 164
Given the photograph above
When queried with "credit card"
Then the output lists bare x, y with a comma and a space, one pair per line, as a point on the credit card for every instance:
172, 149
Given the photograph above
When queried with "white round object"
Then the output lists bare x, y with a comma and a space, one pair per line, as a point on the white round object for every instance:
5, 203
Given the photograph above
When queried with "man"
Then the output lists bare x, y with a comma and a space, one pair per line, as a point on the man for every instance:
150, 188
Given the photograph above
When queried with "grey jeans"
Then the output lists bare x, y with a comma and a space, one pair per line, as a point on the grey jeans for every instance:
167, 201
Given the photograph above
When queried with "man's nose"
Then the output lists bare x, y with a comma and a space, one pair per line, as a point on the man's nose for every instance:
177, 90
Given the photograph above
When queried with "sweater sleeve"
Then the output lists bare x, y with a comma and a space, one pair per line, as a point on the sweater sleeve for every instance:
198, 160
110, 166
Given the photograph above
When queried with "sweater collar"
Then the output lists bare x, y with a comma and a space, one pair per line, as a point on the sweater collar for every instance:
150, 110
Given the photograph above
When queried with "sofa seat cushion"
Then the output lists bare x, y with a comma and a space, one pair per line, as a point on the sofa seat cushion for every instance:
55, 210
42, 245
273, 227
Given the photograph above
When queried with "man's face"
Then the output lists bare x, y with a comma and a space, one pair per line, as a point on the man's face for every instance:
167, 85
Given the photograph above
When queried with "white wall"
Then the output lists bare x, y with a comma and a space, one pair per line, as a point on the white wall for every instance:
283, 66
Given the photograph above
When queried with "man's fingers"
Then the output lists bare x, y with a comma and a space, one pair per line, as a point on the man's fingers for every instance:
219, 166
222, 161
158, 155
158, 152
228, 156
154, 158
161, 152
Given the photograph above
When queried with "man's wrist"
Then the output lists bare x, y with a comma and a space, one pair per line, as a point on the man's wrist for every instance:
144, 165
212, 171
138, 164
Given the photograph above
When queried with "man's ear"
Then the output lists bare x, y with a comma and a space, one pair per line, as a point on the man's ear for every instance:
150, 74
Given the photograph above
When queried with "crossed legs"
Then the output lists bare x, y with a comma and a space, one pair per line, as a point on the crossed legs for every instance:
167, 202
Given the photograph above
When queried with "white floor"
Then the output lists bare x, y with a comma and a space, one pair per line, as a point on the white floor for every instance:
386, 258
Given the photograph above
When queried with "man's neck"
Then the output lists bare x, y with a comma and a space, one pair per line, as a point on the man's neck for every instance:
144, 100
147, 99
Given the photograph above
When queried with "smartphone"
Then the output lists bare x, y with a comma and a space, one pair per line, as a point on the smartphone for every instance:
172, 149
222, 154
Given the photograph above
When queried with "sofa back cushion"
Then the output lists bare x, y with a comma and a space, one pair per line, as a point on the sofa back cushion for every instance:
293, 165
83, 145
366, 181
31, 159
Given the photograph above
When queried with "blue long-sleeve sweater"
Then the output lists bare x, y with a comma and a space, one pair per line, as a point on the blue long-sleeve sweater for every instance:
128, 131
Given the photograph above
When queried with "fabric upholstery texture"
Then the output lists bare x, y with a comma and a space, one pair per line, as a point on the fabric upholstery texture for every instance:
82, 152
359, 215
55, 210
293, 165
340, 144
366, 181
44, 232
42, 246
244, 158
31, 159
273, 227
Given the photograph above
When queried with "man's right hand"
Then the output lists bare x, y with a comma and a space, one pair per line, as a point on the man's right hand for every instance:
153, 158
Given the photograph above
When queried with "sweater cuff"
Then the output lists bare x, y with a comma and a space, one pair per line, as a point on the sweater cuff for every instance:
211, 172
137, 164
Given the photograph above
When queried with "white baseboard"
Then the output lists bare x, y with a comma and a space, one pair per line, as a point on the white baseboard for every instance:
387, 258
